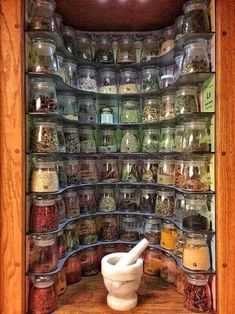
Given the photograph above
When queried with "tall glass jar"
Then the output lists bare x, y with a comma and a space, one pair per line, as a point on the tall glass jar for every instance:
151, 109
68, 106
69, 39
179, 206
167, 142
87, 110
71, 204
147, 200
179, 27
72, 238
108, 170
168, 236
61, 68
196, 138
44, 137
166, 172
73, 269
131, 171
62, 243
152, 229
107, 199
167, 110
152, 261
87, 200
168, 271
179, 178
186, 100
128, 81
43, 16
90, 262
130, 111
104, 51
71, 77
109, 230
128, 199
130, 141
87, 140
150, 48
150, 170
88, 233
179, 58
106, 115
107, 83
126, 50
129, 230
60, 167
165, 203
72, 141
60, 282
150, 80
88, 170
61, 139
84, 48
151, 139
168, 40
72, 172
167, 80
61, 208
107, 140
87, 78
179, 133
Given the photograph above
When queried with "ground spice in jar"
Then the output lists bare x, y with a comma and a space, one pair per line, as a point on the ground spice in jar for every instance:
152, 261
168, 236
109, 170
62, 244
109, 230
44, 138
147, 200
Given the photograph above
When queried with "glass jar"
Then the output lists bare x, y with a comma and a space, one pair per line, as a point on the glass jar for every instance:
197, 294
104, 51
126, 50
44, 216
167, 110
109, 230
71, 77
73, 269
129, 230
130, 111
87, 110
45, 58
90, 262
150, 48
196, 56
131, 171
180, 281
58, 21
72, 172
130, 141
62, 243
168, 270
179, 178
179, 206
152, 229
44, 137
88, 170
179, 58
71, 204
61, 67
165, 203
87, 200
167, 142
150, 170
151, 109
107, 201
107, 81
106, 115
84, 48
150, 79
196, 254
60, 282
61, 208
87, 78
167, 81
87, 140
42, 297
195, 17
186, 100
108, 170
44, 256
69, 39
166, 172
44, 177
179, 133
88, 233
72, 141
168, 40
128, 81
179, 27
43, 96
61, 139
60, 167
152, 261
128, 199
43, 16
196, 138
68, 106
168, 236
107, 140
72, 238
147, 200
179, 247
151, 140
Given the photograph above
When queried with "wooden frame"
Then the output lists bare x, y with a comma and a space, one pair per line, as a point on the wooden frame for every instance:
12, 152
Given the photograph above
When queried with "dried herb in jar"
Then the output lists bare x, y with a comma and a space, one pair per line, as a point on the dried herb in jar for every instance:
109, 171
109, 229
147, 201
195, 21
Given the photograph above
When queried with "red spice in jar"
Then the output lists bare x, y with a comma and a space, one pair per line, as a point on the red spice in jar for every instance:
73, 269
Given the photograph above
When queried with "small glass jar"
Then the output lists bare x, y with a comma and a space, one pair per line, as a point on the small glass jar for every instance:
152, 261
167, 81
165, 203
131, 171
196, 57
71, 77
151, 109
179, 133
108, 170
109, 230
107, 81
168, 236
88, 233
130, 111
129, 230
167, 142
126, 50
179, 206
128, 81
84, 48
69, 39
152, 229
43, 16
72, 141
61, 139
179, 58
73, 269
90, 262
195, 17
61, 208
44, 138
43, 96
165, 174
107, 140
179, 178
104, 51
60, 167
168, 270
197, 294
42, 297
87, 140
106, 115
72, 238
44, 256
150, 48
180, 281
147, 200
44, 177
196, 138
167, 110
71, 204
87, 110
107, 201
179, 27
168, 40
151, 139
62, 243
60, 282
130, 141
87, 200
196, 254
150, 170
128, 199
87, 78
61, 68
72, 172
186, 100
44, 216
150, 80
88, 170
68, 106
179, 247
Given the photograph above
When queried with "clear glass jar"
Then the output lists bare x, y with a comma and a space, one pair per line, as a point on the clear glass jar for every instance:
152, 229
71, 204
88, 170
107, 81
72, 238
130, 141
147, 200
129, 230
44, 177
167, 81
72, 139
61, 139
150, 79
87, 140
62, 243
44, 137
87, 110
179, 58
42, 297
196, 56
196, 138
108, 169
179, 27
150, 170
150, 48
179, 206
179, 247
197, 293
128, 81
42, 17
168, 236
126, 50
107, 200
84, 48
165, 203
131, 171
69, 39
87, 200
43, 96
90, 262
151, 139
61, 68
45, 60
73, 269
128, 199
168, 40
151, 109
88, 233
107, 140
44, 216
61, 208
58, 21
167, 142
44, 255
72, 172
60, 167
196, 18
166, 172
71, 76
130, 111
109, 230
68, 106
186, 100
87, 78
179, 133
104, 50
60, 282
106, 115
196, 254
168, 270
167, 110
178, 173
152, 261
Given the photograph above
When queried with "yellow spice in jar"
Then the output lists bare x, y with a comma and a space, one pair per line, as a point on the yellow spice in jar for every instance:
196, 257
130, 88
168, 238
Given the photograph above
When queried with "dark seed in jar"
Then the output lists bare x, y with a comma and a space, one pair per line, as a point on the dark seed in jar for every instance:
44, 218
153, 237
130, 236
196, 222
147, 203
108, 232
128, 205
